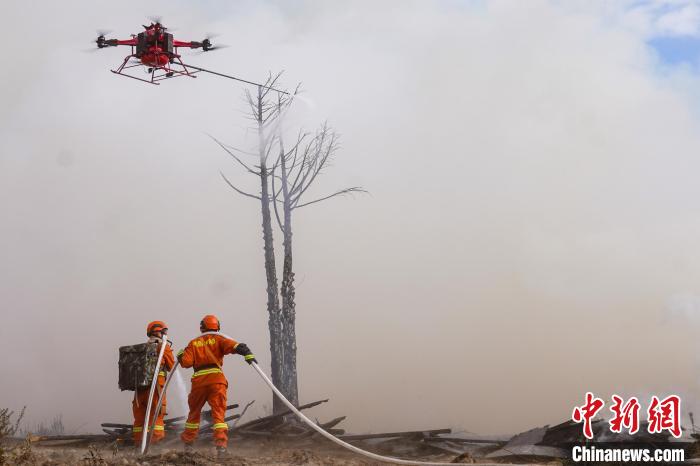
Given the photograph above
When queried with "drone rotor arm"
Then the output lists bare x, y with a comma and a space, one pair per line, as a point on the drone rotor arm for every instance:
132, 41
191, 44
102, 42
205, 44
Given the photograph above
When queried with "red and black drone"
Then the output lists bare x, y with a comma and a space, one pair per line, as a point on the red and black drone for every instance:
155, 49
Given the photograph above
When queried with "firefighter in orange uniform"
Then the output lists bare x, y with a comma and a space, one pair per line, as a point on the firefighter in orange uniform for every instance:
155, 331
206, 355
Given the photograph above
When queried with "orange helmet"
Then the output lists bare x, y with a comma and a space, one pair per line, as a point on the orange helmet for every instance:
156, 326
211, 323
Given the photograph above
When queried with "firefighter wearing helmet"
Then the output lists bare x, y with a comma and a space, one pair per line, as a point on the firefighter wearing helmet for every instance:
155, 331
206, 355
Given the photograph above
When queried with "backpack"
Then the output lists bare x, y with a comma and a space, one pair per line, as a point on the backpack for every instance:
137, 364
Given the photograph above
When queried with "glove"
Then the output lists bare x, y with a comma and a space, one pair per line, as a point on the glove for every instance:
247, 354
179, 355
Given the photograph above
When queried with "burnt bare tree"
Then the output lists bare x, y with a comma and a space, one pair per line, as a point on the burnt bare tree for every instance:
264, 112
293, 174
283, 186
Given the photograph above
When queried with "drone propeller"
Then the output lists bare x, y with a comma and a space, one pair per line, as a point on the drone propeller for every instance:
100, 41
207, 45
156, 19
211, 47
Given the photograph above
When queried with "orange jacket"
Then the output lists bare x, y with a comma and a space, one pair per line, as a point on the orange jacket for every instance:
168, 363
206, 354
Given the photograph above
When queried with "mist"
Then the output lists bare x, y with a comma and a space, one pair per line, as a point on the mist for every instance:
530, 233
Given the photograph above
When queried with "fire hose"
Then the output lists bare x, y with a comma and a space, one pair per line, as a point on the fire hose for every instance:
319, 429
144, 436
353, 448
159, 407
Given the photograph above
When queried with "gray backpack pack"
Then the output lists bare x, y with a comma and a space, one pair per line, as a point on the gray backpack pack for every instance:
137, 364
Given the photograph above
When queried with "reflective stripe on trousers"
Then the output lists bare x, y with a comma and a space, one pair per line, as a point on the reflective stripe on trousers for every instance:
140, 429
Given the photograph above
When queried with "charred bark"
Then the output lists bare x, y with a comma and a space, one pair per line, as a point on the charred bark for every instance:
273, 306
289, 342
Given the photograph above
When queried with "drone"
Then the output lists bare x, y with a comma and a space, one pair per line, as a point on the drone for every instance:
156, 50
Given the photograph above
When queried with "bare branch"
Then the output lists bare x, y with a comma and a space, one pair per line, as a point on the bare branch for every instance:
238, 190
235, 157
356, 189
270, 145
295, 147
252, 154
270, 83
302, 173
274, 201
319, 163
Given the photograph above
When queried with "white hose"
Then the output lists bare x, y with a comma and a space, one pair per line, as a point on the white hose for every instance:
338, 441
144, 435
160, 401
316, 427
353, 448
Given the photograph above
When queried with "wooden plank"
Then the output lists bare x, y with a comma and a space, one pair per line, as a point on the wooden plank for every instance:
118, 426
465, 440
254, 433
424, 433
333, 422
327, 426
446, 447
53, 438
273, 417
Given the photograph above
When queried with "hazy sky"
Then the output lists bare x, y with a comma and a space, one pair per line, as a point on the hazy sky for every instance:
531, 234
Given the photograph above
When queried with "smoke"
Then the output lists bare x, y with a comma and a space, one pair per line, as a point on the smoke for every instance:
533, 179
685, 306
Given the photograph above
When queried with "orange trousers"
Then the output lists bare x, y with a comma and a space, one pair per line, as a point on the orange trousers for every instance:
215, 395
139, 406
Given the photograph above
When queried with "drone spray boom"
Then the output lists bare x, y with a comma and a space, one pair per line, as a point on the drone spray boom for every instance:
235, 78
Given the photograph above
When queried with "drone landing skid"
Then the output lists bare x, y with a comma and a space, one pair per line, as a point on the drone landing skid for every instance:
158, 73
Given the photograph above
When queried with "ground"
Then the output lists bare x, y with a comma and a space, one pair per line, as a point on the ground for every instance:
248, 453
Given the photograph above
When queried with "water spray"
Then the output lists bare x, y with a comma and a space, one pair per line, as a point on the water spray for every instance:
145, 435
181, 390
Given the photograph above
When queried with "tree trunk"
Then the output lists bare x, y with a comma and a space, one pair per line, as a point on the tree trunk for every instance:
273, 306
289, 337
